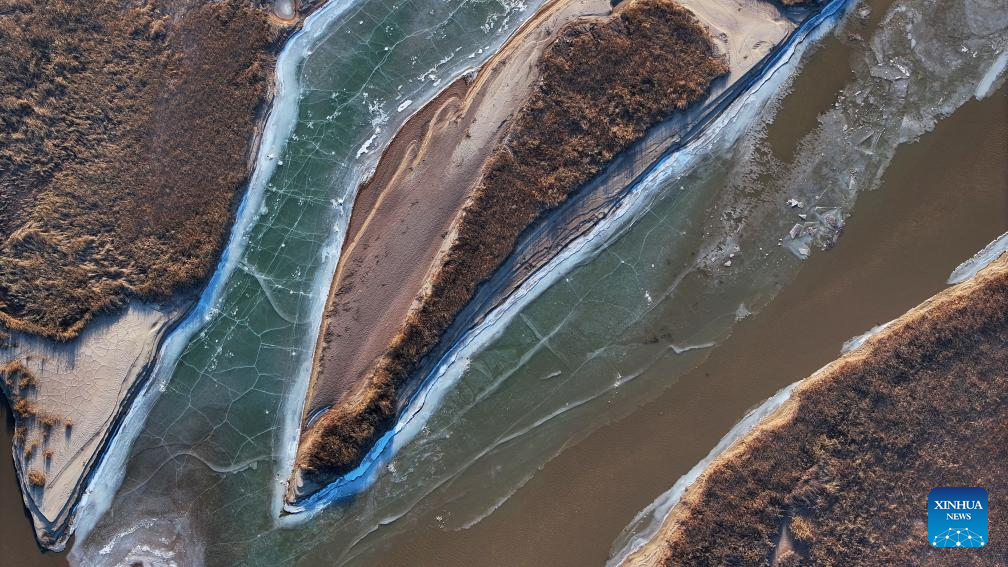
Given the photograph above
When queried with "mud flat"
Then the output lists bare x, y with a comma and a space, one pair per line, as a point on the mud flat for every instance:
440, 255
854, 449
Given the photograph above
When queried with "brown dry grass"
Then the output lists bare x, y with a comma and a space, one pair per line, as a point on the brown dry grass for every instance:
124, 142
36, 478
603, 83
849, 465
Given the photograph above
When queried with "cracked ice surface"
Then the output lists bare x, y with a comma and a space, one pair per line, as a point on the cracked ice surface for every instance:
607, 336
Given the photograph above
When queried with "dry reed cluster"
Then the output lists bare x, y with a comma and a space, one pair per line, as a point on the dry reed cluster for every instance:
848, 470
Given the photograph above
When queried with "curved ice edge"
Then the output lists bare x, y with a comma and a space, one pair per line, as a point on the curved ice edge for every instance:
980, 260
855, 343
732, 122
645, 525
107, 476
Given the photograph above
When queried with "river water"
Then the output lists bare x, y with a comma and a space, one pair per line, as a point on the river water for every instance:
620, 376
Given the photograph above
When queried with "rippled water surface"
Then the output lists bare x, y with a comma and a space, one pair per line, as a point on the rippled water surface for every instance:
711, 246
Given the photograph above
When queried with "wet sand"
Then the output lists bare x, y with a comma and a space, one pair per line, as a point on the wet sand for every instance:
942, 199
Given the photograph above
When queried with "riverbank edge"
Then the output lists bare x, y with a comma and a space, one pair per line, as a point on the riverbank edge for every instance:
934, 311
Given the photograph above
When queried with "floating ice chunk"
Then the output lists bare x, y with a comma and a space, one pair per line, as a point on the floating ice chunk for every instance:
986, 85
890, 71
404, 105
795, 204
742, 312
364, 149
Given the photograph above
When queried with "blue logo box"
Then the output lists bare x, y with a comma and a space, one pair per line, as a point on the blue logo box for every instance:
957, 517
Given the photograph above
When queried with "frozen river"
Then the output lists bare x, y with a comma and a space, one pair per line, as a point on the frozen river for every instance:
708, 246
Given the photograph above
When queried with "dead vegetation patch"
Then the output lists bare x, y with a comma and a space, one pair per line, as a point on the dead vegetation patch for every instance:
603, 84
849, 472
36, 478
32, 427
125, 135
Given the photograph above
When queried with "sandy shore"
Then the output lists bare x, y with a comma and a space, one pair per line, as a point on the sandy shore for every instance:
971, 312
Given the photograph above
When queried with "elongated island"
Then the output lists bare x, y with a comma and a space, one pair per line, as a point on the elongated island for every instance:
842, 463
582, 95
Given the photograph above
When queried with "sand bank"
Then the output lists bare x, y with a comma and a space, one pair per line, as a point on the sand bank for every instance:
402, 214
860, 443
